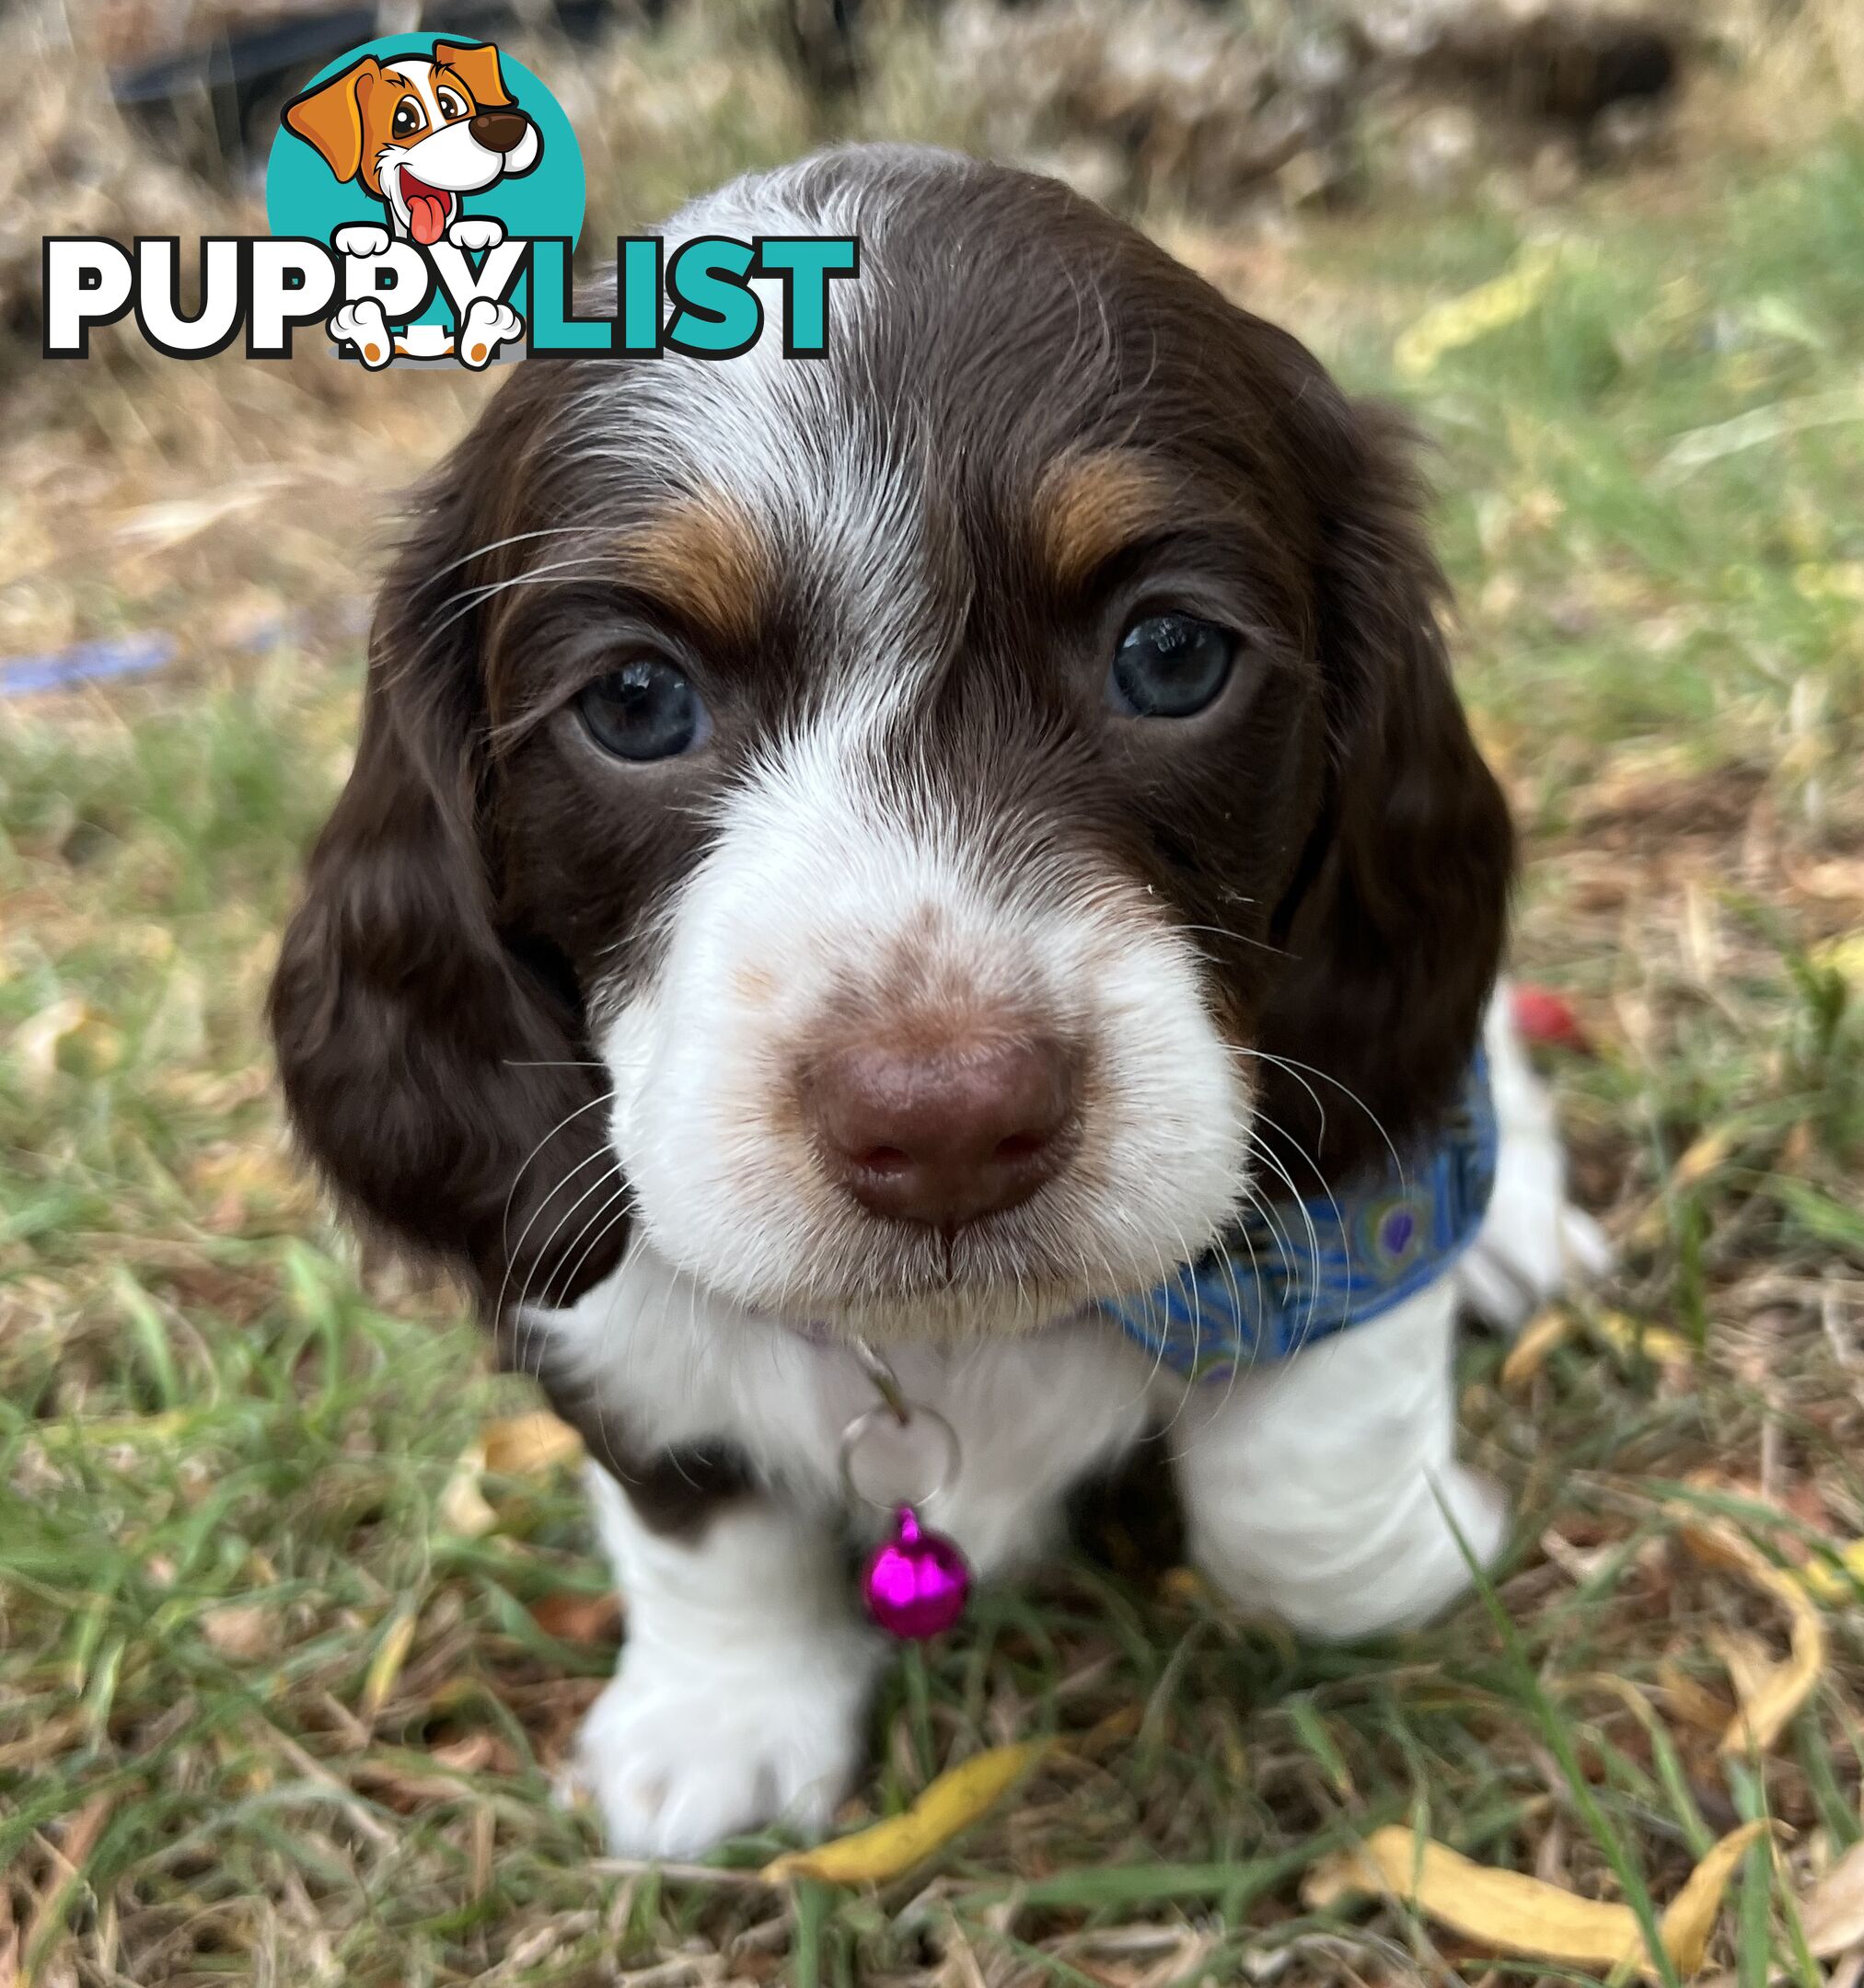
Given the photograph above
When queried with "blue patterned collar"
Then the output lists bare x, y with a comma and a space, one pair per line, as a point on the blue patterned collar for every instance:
1301, 1270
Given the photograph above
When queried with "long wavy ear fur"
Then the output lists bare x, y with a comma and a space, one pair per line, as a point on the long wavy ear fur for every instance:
1398, 912
435, 1065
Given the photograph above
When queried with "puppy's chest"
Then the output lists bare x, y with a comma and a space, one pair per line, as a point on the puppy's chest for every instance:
679, 1367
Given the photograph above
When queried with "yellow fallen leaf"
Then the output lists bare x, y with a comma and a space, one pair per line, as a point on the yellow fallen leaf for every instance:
1832, 1912
1745, 1657
463, 1507
1539, 1337
1769, 1694
1846, 957
951, 1803
385, 1667
1826, 1583
1688, 1700
1658, 1344
1510, 1913
1702, 1156
1690, 1919
1488, 307
1696, 1161
36, 1040
528, 1445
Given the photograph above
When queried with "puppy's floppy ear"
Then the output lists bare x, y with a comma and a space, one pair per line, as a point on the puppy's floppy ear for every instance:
330, 116
1397, 912
477, 65
434, 1062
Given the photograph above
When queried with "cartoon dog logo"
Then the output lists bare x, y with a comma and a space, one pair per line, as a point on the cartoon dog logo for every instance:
420, 133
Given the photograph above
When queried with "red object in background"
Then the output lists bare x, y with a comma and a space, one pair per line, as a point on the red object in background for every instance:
1546, 1019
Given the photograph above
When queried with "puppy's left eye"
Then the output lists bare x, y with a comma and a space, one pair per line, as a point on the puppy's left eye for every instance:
646, 709
450, 105
1169, 665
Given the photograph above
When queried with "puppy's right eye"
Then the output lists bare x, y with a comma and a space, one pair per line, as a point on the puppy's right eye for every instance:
646, 709
408, 117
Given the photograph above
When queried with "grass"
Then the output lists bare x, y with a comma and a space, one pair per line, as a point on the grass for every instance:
267, 1714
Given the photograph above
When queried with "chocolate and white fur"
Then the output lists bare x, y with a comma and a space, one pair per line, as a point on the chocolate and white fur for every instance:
567, 1022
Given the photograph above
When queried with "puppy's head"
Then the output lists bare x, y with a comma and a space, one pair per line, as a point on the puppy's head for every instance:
920, 833
419, 132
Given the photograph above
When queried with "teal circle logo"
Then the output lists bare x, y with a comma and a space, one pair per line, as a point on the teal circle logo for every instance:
425, 149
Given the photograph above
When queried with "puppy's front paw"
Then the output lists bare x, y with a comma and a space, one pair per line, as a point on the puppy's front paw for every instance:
474, 231
1533, 1244
681, 1751
1396, 1568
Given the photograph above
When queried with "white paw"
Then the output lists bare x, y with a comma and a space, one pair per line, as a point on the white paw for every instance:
1533, 1244
682, 1751
1398, 1570
485, 327
474, 231
363, 325
361, 238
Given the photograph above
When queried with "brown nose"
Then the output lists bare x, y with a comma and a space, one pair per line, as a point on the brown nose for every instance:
943, 1135
499, 131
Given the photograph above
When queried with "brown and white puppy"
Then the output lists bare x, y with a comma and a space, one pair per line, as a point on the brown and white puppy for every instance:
905, 844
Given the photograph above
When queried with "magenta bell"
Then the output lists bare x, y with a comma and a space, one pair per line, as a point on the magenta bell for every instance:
916, 1581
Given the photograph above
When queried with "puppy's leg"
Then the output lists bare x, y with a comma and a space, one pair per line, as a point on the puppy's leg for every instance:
1534, 1242
743, 1680
1325, 1489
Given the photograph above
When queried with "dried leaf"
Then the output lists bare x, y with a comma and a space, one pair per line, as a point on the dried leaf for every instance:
1826, 1583
1658, 1344
463, 1507
1832, 1912
1702, 1156
391, 1653
1691, 1917
1544, 1331
951, 1803
241, 1629
1689, 1701
1846, 958
529, 1445
1509, 1913
1769, 1694
37, 1039
1488, 307
574, 1618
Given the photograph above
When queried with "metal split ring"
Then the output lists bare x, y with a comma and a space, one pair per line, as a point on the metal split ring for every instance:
898, 1414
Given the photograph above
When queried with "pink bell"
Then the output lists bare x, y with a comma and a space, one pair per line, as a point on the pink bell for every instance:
916, 1581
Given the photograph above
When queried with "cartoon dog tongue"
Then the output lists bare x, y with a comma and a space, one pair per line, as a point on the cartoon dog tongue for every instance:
426, 210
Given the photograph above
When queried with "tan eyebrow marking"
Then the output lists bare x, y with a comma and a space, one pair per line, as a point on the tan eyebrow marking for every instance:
1090, 506
706, 558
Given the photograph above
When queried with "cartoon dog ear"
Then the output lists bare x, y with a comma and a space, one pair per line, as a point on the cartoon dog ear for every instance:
330, 117
476, 64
